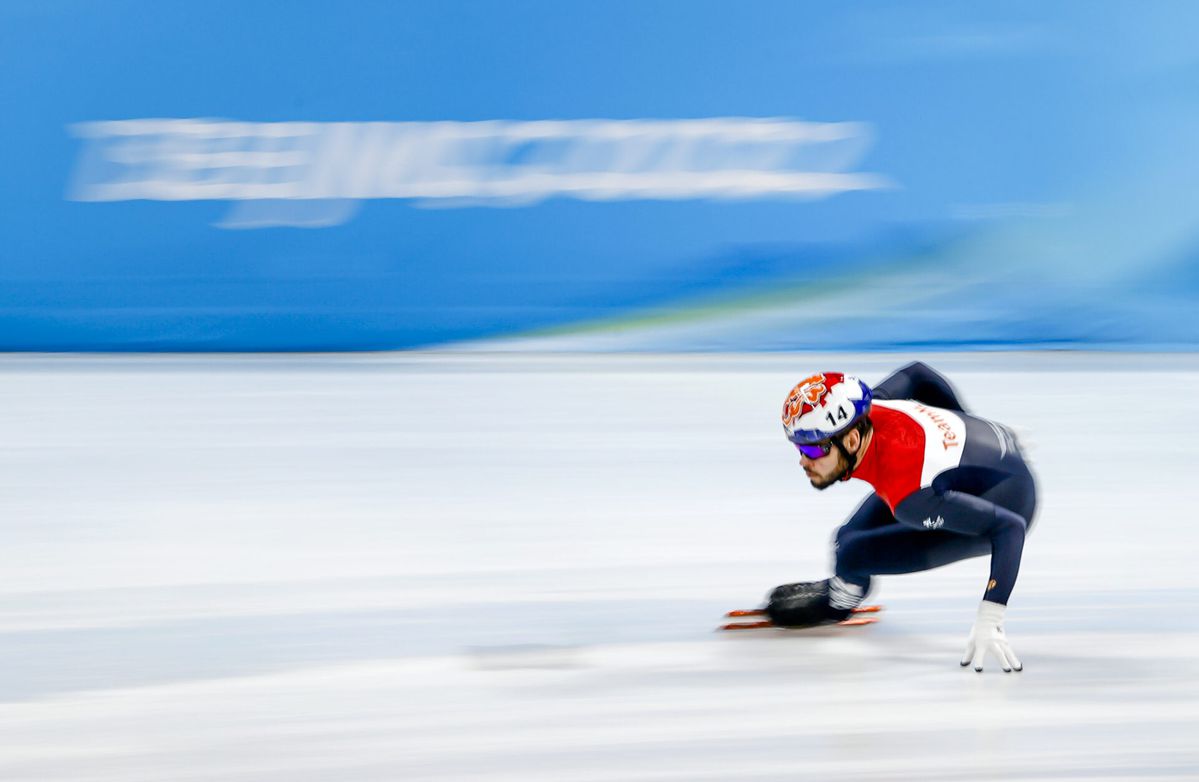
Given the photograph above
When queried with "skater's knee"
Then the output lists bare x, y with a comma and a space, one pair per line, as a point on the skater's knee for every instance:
843, 539
917, 369
850, 554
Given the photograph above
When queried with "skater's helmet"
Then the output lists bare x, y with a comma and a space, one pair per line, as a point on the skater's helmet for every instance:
823, 406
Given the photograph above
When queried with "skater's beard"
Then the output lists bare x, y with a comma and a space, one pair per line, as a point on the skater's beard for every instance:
841, 470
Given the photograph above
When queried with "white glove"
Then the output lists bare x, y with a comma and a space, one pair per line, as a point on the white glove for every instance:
987, 636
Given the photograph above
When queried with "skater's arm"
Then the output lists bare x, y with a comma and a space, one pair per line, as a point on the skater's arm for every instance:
966, 514
922, 383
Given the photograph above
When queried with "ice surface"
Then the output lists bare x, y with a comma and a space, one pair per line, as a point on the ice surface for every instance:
436, 567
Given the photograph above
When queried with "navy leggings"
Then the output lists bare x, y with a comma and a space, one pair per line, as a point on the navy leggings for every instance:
874, 543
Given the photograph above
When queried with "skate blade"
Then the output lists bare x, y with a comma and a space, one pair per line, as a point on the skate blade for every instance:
747, 625
855, 621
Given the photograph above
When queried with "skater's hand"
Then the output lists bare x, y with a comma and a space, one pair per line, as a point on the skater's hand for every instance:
987, 636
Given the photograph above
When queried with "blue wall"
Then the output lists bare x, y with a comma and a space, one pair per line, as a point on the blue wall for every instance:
766, 175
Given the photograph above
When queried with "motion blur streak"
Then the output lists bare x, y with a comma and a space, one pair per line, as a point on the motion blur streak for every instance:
451, 566
471, 163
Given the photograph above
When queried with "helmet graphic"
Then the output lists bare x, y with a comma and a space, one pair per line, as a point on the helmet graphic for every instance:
824, 405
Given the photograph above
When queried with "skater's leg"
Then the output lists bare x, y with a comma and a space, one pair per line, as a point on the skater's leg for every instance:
898, 549
873, 543
871, 514
994, 523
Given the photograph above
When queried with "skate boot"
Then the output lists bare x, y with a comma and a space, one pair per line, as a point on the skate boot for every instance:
811, 603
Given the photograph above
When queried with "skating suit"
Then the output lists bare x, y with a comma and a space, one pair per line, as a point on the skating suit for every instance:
947, 485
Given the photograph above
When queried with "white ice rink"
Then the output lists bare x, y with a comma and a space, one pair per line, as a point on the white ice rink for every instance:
508, 569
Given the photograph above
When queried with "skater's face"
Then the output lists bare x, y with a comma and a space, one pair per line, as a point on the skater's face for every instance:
826, 470
830, 468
